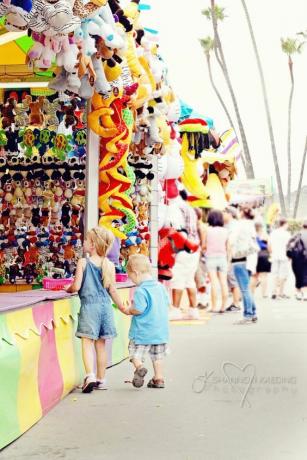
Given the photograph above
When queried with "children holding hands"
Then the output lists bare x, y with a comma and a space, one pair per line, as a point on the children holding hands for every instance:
96, 286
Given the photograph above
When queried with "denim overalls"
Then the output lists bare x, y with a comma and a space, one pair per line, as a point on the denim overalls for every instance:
96, 319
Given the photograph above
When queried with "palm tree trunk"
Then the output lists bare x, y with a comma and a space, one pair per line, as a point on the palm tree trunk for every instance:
221, 59
299, 188
290, 132
218, 95
267, 111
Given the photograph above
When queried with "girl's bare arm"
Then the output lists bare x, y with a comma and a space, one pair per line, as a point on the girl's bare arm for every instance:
76, 285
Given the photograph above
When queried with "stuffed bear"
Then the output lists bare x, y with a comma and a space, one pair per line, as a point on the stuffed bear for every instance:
36, 115
8, 112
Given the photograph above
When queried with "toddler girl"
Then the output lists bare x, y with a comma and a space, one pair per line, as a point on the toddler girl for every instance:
95, 283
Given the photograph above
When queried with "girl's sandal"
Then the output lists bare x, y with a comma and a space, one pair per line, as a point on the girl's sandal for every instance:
138, 378
159, 383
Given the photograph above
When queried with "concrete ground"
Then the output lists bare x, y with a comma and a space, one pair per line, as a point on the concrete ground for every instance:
233, 393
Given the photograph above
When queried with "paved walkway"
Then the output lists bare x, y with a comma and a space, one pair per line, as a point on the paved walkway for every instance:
250, 404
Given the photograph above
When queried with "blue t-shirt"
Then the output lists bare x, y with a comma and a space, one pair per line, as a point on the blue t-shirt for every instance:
151, 326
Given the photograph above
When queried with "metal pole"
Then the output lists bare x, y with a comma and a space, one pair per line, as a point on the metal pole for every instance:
154, 217
92, 178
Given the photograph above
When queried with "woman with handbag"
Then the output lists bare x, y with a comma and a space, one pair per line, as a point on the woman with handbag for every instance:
243, 247
297, 252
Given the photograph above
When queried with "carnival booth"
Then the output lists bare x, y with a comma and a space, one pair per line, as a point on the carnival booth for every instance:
89, 135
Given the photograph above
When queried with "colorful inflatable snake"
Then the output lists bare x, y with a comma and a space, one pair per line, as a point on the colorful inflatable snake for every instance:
113, 123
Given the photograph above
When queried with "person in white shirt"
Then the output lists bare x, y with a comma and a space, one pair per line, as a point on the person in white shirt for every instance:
278, 241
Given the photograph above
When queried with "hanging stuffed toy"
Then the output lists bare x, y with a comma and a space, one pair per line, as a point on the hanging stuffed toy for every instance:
36, 117
62, 146
50, 111
28, 140
17, 14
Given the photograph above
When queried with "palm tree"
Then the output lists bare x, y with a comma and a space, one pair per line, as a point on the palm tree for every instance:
299, 188
267, 110
290, 46
217, 14
208, 46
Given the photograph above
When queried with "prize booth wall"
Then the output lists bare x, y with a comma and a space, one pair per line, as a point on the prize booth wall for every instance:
67, 165
48, 198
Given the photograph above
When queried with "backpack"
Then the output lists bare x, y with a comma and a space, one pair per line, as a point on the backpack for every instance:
296, 247
242, 244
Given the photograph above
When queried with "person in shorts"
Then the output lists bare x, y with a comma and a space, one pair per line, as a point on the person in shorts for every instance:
186, 265
149, 332
216, 258
278, 241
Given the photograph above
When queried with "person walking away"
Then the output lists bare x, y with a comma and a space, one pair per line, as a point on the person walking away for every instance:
186, 265
242, 245
230, 221
201, 276
263, 263
149, 332
95, 283
216, 238
278, 241
297, 252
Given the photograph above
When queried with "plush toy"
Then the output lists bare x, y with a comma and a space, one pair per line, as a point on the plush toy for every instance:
171, 241
21, 117
17, 14
36, 116
50, 110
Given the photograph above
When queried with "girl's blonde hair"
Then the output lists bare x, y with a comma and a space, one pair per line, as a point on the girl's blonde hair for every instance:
103, 240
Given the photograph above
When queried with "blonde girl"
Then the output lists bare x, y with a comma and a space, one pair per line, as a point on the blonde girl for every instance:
95, 283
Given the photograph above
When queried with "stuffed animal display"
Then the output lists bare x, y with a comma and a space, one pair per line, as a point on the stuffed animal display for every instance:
149, 145
42, 191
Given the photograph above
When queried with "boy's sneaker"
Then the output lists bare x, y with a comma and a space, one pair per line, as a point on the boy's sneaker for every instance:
159, 383
89, 383
194, 313
175, 314
254, 319
101, 385
138, 378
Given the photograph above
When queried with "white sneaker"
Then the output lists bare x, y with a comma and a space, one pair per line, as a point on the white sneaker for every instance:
101, 385
175, 314
194, 313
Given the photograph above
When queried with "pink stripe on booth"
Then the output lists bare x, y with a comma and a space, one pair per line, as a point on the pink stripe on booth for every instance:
50, 380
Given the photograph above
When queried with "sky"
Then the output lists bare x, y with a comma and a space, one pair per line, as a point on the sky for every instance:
181, 24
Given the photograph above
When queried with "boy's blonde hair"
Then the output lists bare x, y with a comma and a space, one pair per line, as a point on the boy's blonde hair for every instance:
139, 263
103, 240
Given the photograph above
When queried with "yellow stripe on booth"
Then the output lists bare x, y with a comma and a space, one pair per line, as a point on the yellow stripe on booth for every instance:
64, 331
27, 339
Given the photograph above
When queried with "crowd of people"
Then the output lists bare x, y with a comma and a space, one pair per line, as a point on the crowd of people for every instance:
237, 253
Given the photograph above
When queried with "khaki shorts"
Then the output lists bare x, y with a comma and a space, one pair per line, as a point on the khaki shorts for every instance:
184, 270
280, 269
